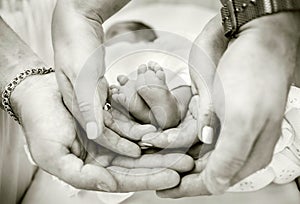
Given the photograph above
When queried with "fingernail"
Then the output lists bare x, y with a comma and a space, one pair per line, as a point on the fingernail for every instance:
144, 144
103, 187
92, 130
207, 135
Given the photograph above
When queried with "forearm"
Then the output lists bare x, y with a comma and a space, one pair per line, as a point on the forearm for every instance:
15, 56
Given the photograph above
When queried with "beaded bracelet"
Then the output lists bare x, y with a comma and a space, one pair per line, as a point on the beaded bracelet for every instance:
16, 81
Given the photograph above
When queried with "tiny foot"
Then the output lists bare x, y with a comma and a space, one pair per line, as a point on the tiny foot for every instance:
152, 87
126, 95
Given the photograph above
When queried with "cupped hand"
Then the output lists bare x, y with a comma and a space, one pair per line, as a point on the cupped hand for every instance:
250, 92
60, 148
184, 136
79, 62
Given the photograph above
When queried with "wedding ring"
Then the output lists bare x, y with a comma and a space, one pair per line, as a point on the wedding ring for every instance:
107, 106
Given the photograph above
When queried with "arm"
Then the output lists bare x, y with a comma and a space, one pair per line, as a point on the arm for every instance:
15, 56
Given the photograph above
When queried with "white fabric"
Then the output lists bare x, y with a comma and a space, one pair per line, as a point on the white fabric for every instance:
285, 165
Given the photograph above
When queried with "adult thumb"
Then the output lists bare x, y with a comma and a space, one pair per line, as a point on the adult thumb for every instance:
205, 54
91, 93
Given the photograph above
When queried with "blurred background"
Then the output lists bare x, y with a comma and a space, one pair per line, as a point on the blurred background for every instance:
206, 3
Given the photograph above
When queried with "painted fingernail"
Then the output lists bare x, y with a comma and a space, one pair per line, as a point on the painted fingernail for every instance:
207, 135
92, 130
103, 187
144, 144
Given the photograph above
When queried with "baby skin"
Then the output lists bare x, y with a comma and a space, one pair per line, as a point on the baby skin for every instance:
148, 98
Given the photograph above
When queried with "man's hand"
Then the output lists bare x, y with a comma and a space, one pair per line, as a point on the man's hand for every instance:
79, 59
56, 147
250, 92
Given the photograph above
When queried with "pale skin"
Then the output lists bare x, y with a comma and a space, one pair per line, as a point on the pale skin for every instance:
182, 136
149, 99
53, 137
237, 155
77, 33
138, 97
271, 71
227, 150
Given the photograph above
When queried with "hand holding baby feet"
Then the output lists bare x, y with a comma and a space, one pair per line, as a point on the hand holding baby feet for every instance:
182, 136
152, 88
126, 127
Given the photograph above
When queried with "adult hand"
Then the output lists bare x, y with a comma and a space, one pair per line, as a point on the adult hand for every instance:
79, 61
183, 136
54, 144
250, 92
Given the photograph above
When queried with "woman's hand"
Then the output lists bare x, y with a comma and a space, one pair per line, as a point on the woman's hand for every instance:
58, 147
250, 92
79, 59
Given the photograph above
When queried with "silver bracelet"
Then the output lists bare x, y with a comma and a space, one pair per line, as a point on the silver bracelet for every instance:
16, 81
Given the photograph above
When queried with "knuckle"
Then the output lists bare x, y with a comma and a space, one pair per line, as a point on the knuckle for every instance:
85, 106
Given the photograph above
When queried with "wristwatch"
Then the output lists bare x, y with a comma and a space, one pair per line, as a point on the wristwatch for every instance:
236, 13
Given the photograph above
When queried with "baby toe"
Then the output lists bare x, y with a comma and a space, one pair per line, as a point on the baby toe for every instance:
142, 69
122, 79
157, 67
114, 89
114, 86
161, 75
151, 65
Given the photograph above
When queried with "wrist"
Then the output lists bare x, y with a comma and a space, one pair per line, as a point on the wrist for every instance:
75, 35
27, 94
284, 24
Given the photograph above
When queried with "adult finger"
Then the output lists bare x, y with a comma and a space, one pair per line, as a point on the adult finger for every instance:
117, 144
112, 141
177, 162
201, 163
130, 180
126, 127
184, 135
195, 184
69, 168
90, 103
204, 58
190, 185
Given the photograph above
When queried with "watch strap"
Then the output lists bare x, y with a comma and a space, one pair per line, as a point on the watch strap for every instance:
236, 13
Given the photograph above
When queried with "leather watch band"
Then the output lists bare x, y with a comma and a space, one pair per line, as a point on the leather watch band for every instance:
236, 13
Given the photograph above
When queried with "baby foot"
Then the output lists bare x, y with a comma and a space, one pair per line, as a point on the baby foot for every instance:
126, 95
152, 87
